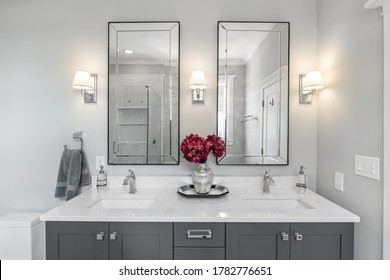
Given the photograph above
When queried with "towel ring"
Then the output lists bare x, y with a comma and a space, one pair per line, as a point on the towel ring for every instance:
77, 136
81, 139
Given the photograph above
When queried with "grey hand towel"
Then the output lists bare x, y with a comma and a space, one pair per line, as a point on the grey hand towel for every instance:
73, 172
85, 174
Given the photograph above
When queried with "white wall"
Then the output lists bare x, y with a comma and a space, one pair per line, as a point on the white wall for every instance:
43, 43
350, 113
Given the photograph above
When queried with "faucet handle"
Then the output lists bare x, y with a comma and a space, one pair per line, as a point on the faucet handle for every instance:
132, 174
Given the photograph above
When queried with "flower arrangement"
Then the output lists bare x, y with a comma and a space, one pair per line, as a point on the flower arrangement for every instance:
196, 149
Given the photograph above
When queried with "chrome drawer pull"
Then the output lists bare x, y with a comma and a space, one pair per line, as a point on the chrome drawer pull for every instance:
199, 233
100, 236
284, 236
298, 236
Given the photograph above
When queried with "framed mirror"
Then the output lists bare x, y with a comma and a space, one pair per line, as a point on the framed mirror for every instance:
253, 92
143, 92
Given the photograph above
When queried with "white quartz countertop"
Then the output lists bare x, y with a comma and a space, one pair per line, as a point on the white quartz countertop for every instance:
245, 202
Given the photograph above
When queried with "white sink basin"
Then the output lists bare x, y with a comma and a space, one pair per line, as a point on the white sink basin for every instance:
126, 202
278, 204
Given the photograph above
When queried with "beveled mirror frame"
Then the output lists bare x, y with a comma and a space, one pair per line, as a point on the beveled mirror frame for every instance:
282, 72
168, 95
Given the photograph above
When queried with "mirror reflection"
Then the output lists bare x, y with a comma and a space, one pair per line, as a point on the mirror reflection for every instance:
143, 93
253, 67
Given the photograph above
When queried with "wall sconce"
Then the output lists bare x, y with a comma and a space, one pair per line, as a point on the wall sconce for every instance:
87, 83
308, 84
198, 86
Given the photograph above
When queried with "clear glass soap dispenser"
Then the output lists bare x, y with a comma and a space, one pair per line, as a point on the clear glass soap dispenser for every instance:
302, 180
101, 180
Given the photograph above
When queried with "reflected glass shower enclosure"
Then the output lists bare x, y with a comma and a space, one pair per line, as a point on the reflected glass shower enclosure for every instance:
143, 93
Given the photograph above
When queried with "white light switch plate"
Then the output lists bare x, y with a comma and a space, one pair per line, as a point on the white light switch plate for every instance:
339, 181
100, 160
367, 166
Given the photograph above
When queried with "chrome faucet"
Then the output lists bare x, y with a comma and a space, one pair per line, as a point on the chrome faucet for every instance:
130, 181
267, 181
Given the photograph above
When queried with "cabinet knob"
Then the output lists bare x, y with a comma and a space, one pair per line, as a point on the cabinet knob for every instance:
298, 236
100, 236
284, 236
113, 235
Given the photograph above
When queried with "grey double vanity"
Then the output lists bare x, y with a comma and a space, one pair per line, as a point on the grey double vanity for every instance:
158, 223
143, 128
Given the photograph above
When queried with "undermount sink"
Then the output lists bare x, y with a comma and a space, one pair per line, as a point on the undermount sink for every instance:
123, 202
278, 204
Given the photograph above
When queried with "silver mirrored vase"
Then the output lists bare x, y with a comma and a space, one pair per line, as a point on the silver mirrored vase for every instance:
202, 178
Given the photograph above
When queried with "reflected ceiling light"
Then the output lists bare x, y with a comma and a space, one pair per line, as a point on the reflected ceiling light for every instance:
309, 83
198, 86
87, 83
128, 51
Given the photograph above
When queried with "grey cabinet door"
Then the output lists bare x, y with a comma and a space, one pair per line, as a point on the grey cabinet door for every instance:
76, 241
257, 241
141, 241
322, 241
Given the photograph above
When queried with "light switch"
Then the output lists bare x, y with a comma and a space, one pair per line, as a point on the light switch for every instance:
367, 166
339, 181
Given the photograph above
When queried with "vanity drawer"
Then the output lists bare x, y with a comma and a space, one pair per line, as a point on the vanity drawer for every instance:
192, 253
199, 234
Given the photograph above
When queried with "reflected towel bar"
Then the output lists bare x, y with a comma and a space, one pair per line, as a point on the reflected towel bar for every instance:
248, 118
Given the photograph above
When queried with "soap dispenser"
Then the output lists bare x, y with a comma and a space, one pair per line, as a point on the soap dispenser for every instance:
101, 180
302, 180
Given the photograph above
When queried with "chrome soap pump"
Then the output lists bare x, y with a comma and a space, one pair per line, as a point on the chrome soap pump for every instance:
302, 180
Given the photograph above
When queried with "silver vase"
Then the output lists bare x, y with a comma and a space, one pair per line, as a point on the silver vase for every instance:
202, 178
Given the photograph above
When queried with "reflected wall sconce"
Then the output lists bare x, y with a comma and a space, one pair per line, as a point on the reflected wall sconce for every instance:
198, 86
308, 84
87, 83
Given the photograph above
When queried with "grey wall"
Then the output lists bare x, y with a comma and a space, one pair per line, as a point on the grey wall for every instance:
350, 113
45, 42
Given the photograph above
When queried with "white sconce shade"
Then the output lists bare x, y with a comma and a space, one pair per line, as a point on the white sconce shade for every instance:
198, 80
313, 81
87, 83
198, 84
82, 80
308, 84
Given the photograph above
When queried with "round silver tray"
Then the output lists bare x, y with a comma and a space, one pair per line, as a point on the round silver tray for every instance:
215, 191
